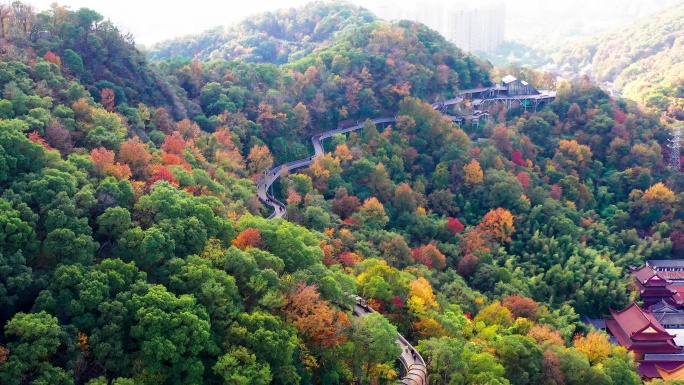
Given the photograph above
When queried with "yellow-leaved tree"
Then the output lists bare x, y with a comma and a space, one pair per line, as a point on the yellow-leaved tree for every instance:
473, 173
595, 346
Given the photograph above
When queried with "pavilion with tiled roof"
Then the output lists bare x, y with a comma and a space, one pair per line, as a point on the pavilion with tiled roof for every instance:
639, 331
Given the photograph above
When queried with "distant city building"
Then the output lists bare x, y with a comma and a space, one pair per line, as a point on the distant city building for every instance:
389, 12
471, 28
431, 15
476, 28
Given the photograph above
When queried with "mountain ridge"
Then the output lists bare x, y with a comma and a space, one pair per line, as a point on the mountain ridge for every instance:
643, 60
275, 36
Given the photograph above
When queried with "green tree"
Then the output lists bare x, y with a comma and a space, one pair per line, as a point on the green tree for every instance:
15, 279
171, 333
213, 288
522, 359
15, 234
114, 222
35, 339
445, 361
483, 368
240, 367
272, 343
64, 246
374, 343
18, 155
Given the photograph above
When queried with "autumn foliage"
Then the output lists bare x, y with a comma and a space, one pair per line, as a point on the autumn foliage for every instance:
107, 98
498, 224
473, 173
163, 173
517, 158
524, 179
421, 297
249, 237
52, 58
454, 226
4, 352
36, 138
174, 144
544, 333
259, 160
135, 155
103, 162
344, 205
468, 264
473, 241
595, 346
430, 256
427, 327
314, 318
521, 306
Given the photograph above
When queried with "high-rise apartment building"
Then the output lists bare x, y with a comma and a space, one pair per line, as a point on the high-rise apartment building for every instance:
390, 12
476, 28
430, 14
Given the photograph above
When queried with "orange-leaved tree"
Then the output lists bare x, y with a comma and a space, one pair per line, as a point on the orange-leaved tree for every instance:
107, 99
521, 306
430, 256
249, 237
498, 224
163, 173
313, 317
103, 162
134, 153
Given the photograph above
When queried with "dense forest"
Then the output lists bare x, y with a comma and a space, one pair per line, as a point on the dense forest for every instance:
133, 248
643, 60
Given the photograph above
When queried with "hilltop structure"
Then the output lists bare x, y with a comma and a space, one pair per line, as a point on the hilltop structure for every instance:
511, 92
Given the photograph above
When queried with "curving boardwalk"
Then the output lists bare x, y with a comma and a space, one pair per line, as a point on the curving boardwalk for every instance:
412, 363
265, 182
415, 369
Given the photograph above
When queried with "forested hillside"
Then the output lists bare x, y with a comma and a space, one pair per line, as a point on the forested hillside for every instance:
272, 37
133, 248
644, 60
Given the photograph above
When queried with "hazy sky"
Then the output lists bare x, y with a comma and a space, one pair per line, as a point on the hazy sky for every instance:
152, 21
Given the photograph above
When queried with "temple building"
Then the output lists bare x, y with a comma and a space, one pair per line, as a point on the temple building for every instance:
639, 331
670, 269
665, 366
654, 287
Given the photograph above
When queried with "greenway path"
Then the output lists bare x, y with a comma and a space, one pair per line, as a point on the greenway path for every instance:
414, 369
266, 181
413, 365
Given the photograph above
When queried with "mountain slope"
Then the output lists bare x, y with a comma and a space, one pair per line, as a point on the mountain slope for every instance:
90, 50
644, 60
273, 37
